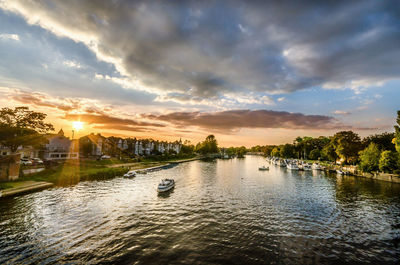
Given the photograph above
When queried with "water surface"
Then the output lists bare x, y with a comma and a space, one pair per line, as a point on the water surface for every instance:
221, 212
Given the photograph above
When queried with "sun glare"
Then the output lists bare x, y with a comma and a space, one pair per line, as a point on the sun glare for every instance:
77, 125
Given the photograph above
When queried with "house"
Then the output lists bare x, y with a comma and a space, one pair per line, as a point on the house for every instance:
95, 145
60, 147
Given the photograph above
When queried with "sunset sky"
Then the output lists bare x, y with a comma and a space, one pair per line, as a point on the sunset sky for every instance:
247, 71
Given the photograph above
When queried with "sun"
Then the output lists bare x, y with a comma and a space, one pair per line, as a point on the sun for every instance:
77, 125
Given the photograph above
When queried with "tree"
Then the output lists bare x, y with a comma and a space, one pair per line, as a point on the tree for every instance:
268, 150
275, 152
187, 148
396, 140
315, 154
241, 151
209, 146
329, 152
286, 151
369, 158
383, 140
20, 126
347, 145
388, 161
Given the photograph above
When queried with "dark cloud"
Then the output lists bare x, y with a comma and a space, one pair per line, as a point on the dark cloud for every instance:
204, 49
106, 120
236, 119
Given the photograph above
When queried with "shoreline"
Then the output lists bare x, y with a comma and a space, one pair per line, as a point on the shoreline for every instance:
29, 186
25, 187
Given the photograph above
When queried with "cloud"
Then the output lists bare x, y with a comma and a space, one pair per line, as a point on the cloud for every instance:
281, 99
200, 51
341, 112
108, 121
72, 64
40, 100
13, 37
236, 119
122, 128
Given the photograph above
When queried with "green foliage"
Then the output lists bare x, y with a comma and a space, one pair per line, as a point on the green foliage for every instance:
396, 140
315, 154
20, 126
369, 158
286, 151
187, 149
384, 141
388, 161
347, 144
209, 146
329, 152
4, 186
275, 152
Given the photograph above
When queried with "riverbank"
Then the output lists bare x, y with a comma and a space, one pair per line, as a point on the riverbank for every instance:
22, 187
153, 165
72, 172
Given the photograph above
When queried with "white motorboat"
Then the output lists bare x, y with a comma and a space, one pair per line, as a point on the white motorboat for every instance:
292, 166
166, 185
130, 174
307, 167
263, 168
342, 172
281, 163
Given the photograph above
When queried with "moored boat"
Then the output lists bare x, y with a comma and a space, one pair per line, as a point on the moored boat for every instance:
166, 185
130, 174
292, 166
263, 168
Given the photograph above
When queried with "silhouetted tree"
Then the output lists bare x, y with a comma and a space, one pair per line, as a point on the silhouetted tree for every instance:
22, 127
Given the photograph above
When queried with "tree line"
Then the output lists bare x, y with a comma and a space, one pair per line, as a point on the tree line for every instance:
375, 152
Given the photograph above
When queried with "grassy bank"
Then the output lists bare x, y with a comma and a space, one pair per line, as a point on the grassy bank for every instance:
69, 173
72, 174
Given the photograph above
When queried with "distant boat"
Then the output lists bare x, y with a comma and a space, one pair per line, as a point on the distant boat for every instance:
307, 167
292, 166
341, 172
263, 168
130, 174
166, 185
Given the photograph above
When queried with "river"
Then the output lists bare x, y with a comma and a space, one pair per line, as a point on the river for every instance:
220, 212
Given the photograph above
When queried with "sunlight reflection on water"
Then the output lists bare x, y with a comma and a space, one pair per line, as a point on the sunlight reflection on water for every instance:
225, 211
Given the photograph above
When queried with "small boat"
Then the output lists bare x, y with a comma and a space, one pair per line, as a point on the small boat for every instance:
307, 167
130, 174
263, 168
292, 166
341, 172
166, 185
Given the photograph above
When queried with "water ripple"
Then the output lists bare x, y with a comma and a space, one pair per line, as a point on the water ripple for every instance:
223, 212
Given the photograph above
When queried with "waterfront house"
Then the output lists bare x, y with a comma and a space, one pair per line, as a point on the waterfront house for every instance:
95, 145
60, 147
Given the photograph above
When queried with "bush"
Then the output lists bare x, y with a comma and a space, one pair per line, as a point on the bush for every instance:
388, 161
